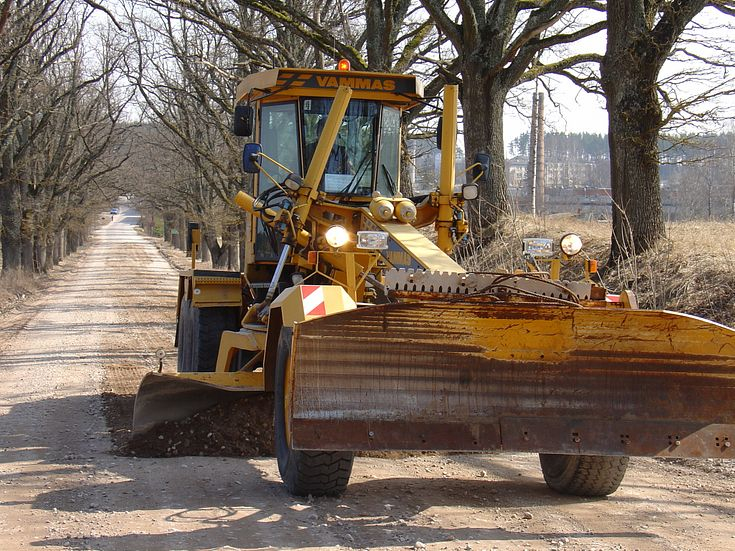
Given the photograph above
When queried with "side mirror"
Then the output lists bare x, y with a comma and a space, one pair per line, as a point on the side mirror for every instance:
439, 127
470, 192
250, 154
481, 168
243, 120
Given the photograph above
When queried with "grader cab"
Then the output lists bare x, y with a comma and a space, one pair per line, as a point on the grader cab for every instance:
372, 337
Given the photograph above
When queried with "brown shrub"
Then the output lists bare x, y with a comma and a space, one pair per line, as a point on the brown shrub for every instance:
16, 285
691, 271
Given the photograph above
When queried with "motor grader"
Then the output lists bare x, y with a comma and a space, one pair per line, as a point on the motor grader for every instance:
372, 337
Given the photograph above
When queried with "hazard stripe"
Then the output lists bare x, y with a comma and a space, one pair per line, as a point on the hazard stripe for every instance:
307, 290
312, 297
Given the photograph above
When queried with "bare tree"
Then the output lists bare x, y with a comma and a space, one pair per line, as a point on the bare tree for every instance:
185, 75
5, 14
641, 37
497, 46
58, 115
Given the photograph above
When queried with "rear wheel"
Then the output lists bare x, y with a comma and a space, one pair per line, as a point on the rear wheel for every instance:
316, 473
583, 475
199, 333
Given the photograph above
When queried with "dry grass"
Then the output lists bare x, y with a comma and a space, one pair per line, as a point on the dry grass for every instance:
16, 285
692, 271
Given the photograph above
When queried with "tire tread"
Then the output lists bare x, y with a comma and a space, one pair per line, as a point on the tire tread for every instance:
583, 475
315, 473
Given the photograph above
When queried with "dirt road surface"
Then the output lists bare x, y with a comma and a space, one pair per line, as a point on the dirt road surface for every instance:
62, 486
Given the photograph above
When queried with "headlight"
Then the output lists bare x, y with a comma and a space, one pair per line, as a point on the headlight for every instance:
337, 236
372, 240
381, 208
571, 244
470, 192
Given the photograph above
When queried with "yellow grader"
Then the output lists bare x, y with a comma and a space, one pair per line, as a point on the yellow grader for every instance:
372, 337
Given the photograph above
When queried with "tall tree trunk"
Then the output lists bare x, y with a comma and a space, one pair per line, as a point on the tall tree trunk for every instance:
26, 237
10, 233
634, 118
58, 249
183, 231
169, 224
231, 259
484, 133
638, 220
640, 38
218, 253
72, 241
204, 255
42, 248
26, 256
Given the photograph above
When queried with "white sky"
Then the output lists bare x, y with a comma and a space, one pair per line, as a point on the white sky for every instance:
577, 111
583, 112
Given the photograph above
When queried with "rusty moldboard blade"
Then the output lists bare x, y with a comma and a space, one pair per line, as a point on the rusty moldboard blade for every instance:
550, 378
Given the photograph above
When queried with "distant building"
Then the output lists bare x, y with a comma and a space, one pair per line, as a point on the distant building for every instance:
696, 182
579, 187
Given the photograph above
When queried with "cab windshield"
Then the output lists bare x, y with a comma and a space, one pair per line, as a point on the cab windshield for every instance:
365, 154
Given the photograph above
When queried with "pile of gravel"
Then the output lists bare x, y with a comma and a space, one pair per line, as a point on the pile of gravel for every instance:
240, 428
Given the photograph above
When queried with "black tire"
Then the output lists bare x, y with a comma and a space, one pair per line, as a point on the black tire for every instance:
583, 475
199, 334
184, 336
315, 473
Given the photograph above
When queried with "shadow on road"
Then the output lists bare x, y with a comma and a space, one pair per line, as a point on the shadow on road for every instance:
266, 515
237, 502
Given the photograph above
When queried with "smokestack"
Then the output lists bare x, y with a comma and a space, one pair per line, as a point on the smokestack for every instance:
531, 171
540, 156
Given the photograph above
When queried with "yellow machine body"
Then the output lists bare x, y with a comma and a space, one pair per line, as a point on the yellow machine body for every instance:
391, 344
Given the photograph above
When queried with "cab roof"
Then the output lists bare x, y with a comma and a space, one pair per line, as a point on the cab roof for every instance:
405, 90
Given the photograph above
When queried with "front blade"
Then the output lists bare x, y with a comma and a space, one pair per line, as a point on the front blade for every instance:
163, 397
485, 376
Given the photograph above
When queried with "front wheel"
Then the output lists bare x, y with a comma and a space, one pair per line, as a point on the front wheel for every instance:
315, 473
583, 475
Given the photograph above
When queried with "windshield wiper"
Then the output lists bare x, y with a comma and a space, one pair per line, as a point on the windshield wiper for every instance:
391, 181
361, 169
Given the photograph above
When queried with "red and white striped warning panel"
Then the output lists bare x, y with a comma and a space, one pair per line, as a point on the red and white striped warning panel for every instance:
312, 297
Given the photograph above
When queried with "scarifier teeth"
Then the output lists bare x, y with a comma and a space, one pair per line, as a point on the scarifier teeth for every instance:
465, 283
430, 281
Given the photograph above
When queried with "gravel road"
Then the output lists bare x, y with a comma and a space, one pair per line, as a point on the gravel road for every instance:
62, 486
